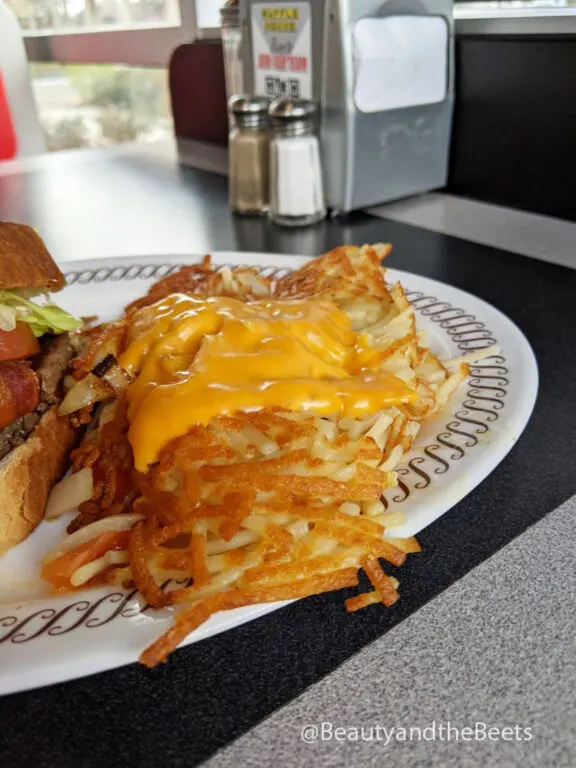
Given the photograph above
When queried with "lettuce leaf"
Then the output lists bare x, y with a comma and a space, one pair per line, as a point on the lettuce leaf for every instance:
47, 318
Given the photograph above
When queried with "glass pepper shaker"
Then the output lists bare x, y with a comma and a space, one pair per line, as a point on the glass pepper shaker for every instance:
296, 190
248, 150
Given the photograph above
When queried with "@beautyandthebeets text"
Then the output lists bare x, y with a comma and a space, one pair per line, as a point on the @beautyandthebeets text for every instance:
434, 731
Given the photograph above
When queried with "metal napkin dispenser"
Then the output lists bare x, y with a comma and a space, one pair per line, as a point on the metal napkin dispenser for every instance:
382, 72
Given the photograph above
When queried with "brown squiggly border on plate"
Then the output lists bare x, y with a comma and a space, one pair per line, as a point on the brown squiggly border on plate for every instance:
487, 388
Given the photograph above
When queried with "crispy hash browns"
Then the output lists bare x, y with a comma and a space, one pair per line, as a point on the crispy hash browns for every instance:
254, 507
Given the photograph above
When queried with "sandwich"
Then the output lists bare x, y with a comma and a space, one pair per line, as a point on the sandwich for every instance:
36, 347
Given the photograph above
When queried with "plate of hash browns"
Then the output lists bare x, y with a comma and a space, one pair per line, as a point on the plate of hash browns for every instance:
253, 429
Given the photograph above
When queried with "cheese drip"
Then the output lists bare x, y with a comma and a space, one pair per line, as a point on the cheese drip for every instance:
194, 359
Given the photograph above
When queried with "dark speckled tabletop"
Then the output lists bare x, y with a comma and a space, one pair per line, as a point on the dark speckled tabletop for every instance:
143, 202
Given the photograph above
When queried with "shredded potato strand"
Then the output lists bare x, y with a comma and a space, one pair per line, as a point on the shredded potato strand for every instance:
138, 559
379, 580
189, 620
199, 567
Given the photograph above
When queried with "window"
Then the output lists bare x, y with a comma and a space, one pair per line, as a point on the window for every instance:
98, 67
516, 6
208, 13
511, 17
510, 7
97, 105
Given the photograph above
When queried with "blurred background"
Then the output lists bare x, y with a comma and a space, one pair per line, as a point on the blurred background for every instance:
99, 67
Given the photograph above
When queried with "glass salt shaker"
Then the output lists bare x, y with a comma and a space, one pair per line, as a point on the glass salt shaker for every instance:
296, 191
248, 151
232, 47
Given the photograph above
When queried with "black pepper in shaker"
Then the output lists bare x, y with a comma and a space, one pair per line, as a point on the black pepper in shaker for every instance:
249, 154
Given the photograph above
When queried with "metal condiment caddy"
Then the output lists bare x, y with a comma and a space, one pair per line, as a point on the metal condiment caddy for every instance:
382, 75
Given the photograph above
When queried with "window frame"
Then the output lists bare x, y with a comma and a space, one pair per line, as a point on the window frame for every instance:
142, 46
528, 19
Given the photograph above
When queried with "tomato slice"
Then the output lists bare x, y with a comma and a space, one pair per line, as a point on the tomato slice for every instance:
18, 343
59, 571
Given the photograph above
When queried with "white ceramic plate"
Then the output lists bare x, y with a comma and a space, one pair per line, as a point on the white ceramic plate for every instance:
46, 638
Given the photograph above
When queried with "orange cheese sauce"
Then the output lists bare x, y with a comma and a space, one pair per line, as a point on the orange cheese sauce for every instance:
194, 359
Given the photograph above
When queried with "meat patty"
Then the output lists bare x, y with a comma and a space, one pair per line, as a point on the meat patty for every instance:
56, 355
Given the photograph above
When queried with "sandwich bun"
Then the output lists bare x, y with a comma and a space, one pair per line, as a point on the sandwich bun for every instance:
25, 262
28, 474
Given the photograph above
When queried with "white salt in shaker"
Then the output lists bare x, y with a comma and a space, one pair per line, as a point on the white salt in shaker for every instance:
296, 191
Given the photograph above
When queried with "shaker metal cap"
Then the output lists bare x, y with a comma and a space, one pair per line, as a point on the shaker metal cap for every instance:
292, 109
230, 14
250, 112
245, 104
292, 117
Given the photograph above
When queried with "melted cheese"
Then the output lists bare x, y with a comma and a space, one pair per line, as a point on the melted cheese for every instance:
194, 359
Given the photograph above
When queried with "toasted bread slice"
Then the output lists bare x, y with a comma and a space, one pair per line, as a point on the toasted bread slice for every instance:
28, 474
25, 261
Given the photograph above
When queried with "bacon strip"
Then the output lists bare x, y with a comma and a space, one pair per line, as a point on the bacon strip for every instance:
19, 391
